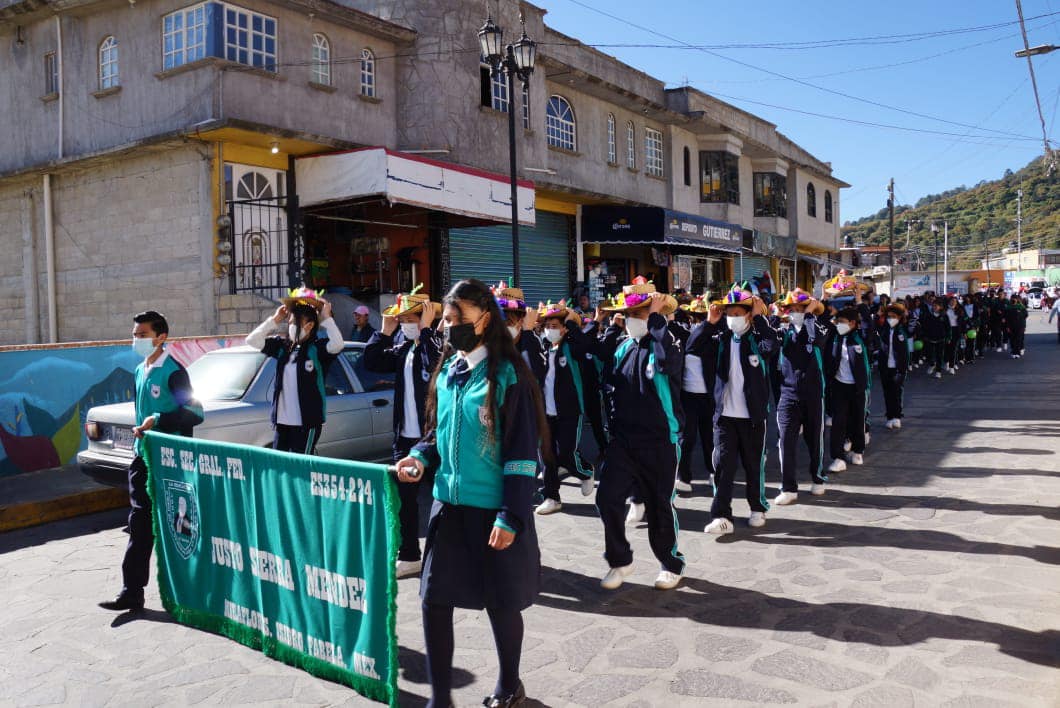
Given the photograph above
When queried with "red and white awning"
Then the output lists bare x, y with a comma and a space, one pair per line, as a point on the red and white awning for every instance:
410, 179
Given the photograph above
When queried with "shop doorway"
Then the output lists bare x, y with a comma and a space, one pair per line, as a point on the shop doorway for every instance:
257, 206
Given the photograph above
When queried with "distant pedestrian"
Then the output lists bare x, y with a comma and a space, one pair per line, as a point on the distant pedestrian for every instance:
1053, 312
362, 329
166, 403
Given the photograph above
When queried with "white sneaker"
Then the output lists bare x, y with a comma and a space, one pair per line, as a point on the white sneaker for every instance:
549, 506
785, 498
855, 458
897, 423
953, 372
635, 514
407, 569
588, 485
682, 487
1006, 346
847, 445
999, 350
817, 490
720, 527
889, 424
828, 421
938, 374
666, 580
756, 519
931, 370
616, 576
868, 438
1015, 356
837, 466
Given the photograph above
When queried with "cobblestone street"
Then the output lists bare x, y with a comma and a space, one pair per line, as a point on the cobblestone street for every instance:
927, 577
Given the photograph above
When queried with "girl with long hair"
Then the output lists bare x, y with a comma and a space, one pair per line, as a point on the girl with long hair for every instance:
486, 434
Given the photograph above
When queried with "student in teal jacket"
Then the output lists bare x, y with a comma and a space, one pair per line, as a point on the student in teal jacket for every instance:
486, 431
164, 402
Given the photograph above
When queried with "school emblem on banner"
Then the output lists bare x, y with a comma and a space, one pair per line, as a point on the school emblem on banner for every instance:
182, 515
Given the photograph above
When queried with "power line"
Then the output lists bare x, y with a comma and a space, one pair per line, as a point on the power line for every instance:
1034, 81
789, 78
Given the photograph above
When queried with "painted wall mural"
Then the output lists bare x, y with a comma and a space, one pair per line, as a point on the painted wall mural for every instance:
45, 393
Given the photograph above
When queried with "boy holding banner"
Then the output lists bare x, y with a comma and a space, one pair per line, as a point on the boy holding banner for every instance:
164, 402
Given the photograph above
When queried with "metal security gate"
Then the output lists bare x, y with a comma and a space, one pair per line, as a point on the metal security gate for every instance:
753, 266
485, 253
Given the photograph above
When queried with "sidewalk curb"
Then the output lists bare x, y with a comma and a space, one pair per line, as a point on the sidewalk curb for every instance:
18, 516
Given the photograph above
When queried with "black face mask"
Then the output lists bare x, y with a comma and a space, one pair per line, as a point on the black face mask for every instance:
462, 337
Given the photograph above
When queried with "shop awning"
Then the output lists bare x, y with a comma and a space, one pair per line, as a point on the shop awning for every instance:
410, 179
657, 226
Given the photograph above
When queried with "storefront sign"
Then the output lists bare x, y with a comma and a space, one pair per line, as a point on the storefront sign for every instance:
654, 225
289, 554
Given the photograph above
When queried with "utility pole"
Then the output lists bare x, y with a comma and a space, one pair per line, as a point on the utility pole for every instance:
935, 230
1019, 227
946, 256
890, 237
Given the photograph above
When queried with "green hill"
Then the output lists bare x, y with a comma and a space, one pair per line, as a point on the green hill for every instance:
980, 218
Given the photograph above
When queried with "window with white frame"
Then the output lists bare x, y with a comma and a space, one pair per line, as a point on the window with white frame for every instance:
184, 36
653, 152
368, 73
320, 73
631, 146
526, 106
560, 126
51, 74
612, 148
250, 38
108, 64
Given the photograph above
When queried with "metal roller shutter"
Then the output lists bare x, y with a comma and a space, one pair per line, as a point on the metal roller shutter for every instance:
485, 253
752, 267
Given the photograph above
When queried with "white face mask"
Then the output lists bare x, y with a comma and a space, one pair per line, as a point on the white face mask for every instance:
411, 330
842, 328
738, 324
797, 319
893, 321
514, 331
553, 335
636, 328
143, 346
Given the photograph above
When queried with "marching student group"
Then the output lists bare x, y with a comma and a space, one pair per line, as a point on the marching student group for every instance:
492, 396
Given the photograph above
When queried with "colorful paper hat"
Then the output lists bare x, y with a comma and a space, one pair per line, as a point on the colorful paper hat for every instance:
638, 295
550, 310
798, 296
410, 303
509, 299
739, 294
304, 296
895, 307
698, 306
844, 284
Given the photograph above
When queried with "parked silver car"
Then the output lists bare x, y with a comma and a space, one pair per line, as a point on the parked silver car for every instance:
235, 386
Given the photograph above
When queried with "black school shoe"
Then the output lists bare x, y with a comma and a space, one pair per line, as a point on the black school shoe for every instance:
124, 601
516, 699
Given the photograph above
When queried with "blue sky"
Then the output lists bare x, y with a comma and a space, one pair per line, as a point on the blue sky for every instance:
982, 86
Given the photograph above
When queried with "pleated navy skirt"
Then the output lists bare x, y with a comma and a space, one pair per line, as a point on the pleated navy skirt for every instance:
460, 569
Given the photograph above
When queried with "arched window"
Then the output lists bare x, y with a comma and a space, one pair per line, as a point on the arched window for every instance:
688, 166
320, 71
811, 200
612, 148
108, 63
631, 146
367, 73
560, 127
828, 206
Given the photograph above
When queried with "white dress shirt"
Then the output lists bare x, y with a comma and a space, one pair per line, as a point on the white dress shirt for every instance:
550, 383
733, 400
693, 379
410, 426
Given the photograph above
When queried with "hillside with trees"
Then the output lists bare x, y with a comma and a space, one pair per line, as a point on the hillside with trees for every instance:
980, 218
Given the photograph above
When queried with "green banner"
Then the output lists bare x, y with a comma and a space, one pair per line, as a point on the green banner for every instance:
289, 554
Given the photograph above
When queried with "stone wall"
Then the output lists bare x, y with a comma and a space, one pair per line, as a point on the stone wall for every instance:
131, 233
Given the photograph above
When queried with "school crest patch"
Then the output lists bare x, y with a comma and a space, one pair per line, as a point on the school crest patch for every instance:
754, 360
309, 365
156, 391
182, 517
857, 348
563, 361
649, 371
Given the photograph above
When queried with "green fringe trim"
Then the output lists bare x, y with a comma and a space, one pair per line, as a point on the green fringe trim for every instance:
384, 691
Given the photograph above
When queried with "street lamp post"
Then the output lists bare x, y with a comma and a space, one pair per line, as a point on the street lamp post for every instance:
935, 230
516, 61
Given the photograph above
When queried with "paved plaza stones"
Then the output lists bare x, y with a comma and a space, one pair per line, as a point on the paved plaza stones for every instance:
928, 577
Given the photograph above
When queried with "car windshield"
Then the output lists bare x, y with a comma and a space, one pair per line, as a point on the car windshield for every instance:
224, 377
